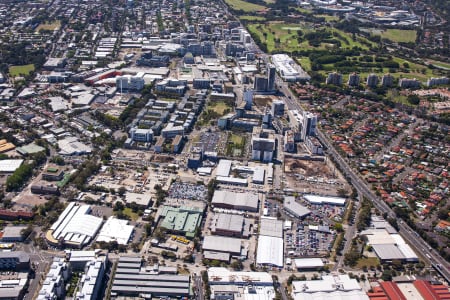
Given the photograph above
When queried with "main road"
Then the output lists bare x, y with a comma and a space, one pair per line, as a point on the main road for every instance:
429, 254
199, 293
410, 236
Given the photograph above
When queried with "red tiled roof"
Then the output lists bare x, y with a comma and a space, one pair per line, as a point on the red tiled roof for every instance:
432, 292
392, 290
17, 214
443, 224
425, 290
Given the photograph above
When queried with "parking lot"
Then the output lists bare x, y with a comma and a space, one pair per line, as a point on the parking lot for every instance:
302, 240
211, 141
328, 212
311, 236
183, 190
272, 208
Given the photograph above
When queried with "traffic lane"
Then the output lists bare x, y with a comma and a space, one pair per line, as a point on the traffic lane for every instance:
199, 287
34, 286
405, 231
360, 185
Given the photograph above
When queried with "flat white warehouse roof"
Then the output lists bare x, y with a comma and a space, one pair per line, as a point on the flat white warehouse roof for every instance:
249, 200
314, 199
76, 225
223, 168
294, 207
139, 199
328, 284
259, 174
270, 251
223, 276
336, 295
115, 230
222, 244
388, 252
378, 236
231, 180
288, 68
10, 165
307, 263
271, 227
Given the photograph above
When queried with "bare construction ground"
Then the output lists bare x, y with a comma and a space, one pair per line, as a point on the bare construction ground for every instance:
307, 168
319, 177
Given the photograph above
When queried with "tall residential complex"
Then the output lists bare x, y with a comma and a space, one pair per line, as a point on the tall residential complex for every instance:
372, 80
334, 78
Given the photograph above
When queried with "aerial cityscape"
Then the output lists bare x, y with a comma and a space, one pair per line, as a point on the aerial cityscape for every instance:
228, 150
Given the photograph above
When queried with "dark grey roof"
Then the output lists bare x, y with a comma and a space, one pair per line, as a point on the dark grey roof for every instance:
23, 257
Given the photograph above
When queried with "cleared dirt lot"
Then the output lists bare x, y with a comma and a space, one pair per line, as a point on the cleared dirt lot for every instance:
28, 200
307, 168
318, 177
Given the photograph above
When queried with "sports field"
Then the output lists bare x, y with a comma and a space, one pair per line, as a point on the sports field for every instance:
395, 35
244, 6
21, 70
251, 18
220, 108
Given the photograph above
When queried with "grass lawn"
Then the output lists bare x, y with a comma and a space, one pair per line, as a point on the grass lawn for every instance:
219, 107
277, 36
395, 35
328, 18
183, 271
133, 216
213, 111
394, 95
339, 238
399, 35
49, 26
303, 10
64, 181
235, 145
414, 70
348, 212
348, 41
370, 261
418, 71
244, 6
236, 139
305, 62
252, 18
439, 64
21, 70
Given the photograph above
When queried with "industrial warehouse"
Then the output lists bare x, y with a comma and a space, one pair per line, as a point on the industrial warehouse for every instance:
224, 150
130, 281
387, 244
115, 230
270, 243
75, 227
237, 201
240, 285
230, 246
